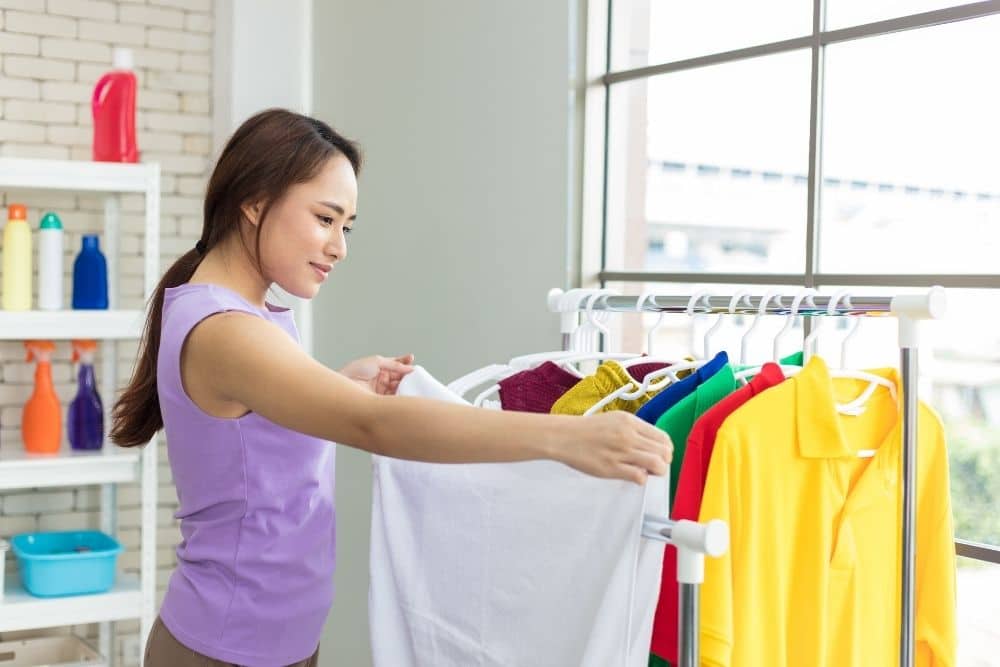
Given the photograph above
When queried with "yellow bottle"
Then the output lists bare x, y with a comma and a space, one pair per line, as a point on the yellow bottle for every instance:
17, 259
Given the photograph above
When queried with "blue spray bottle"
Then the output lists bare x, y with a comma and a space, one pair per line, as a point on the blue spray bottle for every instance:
86, 412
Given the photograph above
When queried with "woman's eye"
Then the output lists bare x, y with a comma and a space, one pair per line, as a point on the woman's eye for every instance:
325, 219
348, 230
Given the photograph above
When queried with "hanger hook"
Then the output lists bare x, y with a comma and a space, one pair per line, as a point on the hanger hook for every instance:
570, 303
831, 310
710, 333
806, 293
595, 324
706, 297
769, 295
700, 295
604, 317
850, 335
639, 305
742, 294
838, 296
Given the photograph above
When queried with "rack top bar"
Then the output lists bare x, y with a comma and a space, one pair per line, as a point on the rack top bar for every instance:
928, 305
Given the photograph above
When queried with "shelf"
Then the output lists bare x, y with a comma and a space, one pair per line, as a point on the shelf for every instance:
21, 611
67, 324
77, 175
111, 465
20, 470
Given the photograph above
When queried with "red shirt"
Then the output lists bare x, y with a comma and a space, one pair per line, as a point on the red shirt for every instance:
687, 501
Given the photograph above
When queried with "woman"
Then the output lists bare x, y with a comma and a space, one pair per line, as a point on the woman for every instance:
249, 416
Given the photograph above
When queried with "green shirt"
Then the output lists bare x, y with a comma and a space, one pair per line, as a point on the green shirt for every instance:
678, 420
794, 359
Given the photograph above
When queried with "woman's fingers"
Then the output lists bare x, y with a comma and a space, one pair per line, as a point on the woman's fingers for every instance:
650, 462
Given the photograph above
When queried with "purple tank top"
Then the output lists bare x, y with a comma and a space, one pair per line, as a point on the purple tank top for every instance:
254, 577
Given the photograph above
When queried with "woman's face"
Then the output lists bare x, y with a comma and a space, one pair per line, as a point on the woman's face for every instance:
305, 232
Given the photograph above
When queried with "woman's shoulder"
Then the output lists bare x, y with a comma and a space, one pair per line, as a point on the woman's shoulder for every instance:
215, 295
187, 305
190, 305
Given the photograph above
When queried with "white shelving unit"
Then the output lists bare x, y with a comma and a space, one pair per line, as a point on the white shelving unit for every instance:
22, 611
131, 597
97, 324
20, 470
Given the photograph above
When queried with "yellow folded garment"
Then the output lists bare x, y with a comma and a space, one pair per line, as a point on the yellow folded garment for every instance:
588, 391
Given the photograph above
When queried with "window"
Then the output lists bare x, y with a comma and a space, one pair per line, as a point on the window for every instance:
741, 147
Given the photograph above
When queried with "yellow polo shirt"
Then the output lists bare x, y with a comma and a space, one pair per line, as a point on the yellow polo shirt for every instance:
812, 577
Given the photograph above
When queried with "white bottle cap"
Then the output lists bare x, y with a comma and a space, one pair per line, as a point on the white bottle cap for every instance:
121, 58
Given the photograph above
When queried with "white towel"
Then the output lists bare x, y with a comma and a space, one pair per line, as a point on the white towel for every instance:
508, 565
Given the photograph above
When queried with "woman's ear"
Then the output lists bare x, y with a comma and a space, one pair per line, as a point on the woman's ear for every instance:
251, 211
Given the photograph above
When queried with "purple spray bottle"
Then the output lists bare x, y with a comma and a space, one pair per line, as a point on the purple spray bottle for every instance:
86, 413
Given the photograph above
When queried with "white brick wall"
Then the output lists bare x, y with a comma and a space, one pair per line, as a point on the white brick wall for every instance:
51, 54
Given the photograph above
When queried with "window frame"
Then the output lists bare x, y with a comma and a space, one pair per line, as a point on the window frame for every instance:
595, 158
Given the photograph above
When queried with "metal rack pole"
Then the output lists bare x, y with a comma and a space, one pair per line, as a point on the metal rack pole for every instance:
859, 305
693, 542
908, 364
910, 310
688, 630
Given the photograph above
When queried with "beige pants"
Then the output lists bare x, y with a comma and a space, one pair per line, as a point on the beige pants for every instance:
163, 650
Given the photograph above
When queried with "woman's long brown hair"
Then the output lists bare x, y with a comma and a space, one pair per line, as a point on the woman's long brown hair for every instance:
269, 153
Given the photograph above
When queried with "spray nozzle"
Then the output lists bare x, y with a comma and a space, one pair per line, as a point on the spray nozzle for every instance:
83, 350
39, 350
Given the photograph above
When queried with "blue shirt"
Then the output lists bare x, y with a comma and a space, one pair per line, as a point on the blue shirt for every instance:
670, 396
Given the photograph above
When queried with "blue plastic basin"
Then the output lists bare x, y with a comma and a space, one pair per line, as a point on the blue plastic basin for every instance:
54, 564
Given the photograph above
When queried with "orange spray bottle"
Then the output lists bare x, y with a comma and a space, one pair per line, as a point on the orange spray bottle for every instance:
41, 423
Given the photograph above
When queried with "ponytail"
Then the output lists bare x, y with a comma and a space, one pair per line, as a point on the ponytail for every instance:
136, 416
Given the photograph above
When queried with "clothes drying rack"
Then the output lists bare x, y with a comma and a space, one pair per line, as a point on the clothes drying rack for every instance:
693, 540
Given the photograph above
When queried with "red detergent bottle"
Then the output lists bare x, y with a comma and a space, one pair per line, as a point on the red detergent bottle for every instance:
113, 107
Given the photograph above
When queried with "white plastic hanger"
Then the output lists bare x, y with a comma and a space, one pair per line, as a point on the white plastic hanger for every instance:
593, 354
741, 295
744, 376
631, 391
650, 335
769, 295
592, 324
856, 406
703, 297
805, 293
847, 339
811, 342
586, 337
479, 376
651, 358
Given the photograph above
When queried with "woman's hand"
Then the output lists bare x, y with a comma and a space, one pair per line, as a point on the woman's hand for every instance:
377, 374
615, 444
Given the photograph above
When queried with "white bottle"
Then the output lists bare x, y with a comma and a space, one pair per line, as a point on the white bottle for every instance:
50, 263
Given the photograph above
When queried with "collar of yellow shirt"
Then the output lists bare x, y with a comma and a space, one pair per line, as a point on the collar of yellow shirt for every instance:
821, 429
